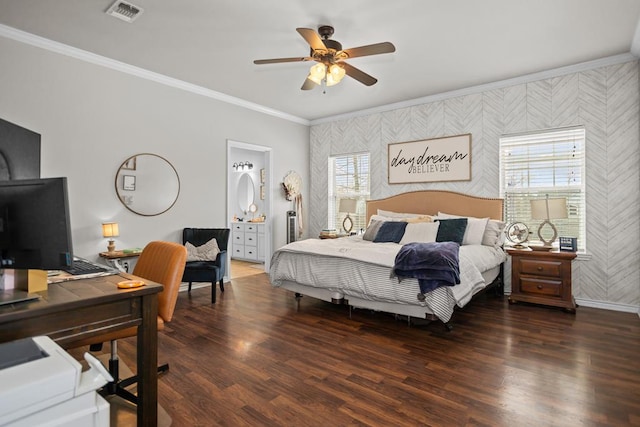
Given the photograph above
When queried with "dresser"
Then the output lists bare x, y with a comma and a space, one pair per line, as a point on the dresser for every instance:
541, 277
248, 241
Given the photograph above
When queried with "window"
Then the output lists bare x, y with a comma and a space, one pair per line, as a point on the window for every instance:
348, 179
535, 165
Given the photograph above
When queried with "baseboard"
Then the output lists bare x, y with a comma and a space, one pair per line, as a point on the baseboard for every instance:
614, 306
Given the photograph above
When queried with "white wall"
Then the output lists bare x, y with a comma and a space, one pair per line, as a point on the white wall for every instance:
92, 118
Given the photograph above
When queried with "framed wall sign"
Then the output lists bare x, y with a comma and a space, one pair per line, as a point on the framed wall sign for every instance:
430, 160
129, 182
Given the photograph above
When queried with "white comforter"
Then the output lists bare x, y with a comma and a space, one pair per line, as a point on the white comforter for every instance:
361, 268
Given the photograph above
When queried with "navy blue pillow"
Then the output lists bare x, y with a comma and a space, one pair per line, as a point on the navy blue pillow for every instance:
451, 230
390, 231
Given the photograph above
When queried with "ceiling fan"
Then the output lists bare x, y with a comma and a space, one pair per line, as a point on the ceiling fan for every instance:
330, 57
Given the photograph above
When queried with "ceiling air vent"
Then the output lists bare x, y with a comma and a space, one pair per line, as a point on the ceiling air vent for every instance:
125, 11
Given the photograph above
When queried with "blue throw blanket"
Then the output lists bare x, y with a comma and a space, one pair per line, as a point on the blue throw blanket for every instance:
433, 264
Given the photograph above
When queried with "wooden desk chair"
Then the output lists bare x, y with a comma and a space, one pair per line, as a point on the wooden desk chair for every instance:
160, 262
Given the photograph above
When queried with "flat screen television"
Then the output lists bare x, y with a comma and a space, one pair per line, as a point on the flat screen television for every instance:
35, 231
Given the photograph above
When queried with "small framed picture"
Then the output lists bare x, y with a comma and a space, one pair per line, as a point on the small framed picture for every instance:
262, 192
129, 164
129, 182
262, 175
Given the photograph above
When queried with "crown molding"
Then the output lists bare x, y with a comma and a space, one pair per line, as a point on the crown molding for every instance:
83, 55
528, 78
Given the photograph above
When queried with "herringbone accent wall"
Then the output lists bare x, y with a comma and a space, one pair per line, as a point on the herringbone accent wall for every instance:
605, 100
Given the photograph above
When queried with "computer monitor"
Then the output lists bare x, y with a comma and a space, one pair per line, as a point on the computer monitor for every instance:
35, 231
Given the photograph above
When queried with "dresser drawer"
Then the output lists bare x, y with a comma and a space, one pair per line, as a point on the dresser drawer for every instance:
238, 228
251, 239
238, 238
251, 252
546, 287
540, 267
238, 251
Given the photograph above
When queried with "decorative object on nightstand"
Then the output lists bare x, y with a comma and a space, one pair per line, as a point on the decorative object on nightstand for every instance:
568, 244
542, 278
347, 206
518, 234
547, 209
110, 230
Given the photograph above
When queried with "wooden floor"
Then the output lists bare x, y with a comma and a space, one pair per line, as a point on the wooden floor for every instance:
259, 358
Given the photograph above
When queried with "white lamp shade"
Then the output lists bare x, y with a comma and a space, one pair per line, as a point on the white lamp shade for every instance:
348, 205
110, 229
549, 208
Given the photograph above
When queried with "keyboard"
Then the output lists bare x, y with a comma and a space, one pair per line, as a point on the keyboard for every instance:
81, 267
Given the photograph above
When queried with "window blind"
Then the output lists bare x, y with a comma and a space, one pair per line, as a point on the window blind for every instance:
348, 179
534, 165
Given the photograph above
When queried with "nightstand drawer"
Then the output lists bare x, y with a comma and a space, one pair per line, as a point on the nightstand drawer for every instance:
541, 267
541, 286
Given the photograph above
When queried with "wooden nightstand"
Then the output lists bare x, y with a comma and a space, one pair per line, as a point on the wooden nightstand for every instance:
542, 278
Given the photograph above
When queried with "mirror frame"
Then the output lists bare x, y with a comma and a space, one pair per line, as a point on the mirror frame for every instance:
127, 161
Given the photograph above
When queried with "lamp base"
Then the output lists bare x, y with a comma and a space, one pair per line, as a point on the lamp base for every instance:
111, 247
344, 224
544, 248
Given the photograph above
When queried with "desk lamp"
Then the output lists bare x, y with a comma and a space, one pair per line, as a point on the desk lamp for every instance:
110, 229
348, 206
547, 209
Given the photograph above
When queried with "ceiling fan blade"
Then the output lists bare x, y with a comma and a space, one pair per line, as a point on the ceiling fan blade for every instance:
278, 60
312, 38
359, 75
372, 49
308, 84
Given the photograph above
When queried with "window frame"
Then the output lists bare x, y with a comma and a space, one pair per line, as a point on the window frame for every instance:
545, 157
334, 218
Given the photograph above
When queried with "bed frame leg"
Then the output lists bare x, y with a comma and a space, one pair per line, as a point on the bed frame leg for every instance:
448, 326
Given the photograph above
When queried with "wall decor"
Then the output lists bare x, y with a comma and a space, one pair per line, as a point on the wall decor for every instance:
262, 192
19, 152
129, 164
430, 160
262, 176
129, 182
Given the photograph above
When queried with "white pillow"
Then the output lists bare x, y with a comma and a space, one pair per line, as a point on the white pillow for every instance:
383, 218
493, 235
391, 214
420, 232
474, 233
207, 252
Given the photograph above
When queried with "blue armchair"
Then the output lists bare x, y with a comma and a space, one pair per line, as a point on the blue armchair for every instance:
207, 271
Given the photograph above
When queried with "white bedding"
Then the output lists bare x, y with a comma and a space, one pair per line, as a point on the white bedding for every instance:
362, 269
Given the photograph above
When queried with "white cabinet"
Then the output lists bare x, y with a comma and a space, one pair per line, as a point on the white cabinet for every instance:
248, 241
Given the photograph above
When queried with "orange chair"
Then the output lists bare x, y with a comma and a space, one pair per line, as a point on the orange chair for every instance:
160, 262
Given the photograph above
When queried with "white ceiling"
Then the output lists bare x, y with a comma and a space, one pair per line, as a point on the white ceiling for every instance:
441, 46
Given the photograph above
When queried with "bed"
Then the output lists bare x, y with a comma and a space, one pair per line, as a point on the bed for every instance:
358, 271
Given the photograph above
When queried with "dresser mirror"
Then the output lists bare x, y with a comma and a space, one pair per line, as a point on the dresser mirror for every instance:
245, 192
147, 184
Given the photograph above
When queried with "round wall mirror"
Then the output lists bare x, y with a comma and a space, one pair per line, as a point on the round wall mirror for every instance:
147, 184
245, 192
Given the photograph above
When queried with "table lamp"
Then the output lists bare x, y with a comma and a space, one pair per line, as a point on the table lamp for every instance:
347, 206
110, 229
547, 209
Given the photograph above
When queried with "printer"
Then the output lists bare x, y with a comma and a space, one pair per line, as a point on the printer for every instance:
41, 384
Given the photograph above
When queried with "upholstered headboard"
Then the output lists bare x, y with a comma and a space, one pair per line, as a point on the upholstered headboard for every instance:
429, 202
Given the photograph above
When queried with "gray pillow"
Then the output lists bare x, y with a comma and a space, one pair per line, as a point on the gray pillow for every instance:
372, 230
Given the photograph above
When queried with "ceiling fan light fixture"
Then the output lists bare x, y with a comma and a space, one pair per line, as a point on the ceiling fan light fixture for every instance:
335, 75
317, 73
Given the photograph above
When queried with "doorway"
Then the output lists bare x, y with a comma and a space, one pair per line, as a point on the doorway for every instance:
249, 206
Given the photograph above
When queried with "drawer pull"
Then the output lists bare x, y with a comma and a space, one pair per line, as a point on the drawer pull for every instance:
539, 287
540, 268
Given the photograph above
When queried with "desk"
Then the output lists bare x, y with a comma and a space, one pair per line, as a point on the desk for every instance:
113, 258
77, 309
